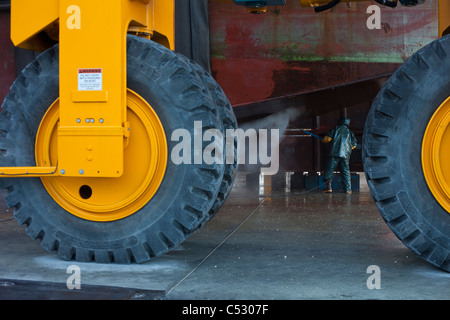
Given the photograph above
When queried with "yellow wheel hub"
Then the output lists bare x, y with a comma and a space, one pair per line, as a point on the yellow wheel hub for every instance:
436, 155
109, 199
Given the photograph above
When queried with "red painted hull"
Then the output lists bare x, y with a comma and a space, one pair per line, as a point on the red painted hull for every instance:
7, 65
291, 49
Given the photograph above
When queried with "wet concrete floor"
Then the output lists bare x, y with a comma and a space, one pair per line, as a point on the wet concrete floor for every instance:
262, 245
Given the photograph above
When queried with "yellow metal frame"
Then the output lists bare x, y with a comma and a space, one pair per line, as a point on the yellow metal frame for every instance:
92, 52
444, 17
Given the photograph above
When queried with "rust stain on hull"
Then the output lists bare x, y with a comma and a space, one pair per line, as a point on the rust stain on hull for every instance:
249, 80
7, 66
291, 49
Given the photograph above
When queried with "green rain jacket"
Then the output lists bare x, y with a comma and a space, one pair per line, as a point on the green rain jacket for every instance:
343, 142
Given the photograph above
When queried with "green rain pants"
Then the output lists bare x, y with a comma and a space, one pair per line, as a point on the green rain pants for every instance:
344, 168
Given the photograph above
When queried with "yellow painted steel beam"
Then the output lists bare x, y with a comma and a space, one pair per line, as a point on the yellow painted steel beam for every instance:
92, 67
32, 22
28, 171
92, 53
163, 21
29, 18
444, 17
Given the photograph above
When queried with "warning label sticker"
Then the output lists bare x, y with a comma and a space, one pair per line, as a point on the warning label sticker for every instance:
90, 80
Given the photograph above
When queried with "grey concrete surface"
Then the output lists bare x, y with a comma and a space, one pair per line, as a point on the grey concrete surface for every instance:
262, 245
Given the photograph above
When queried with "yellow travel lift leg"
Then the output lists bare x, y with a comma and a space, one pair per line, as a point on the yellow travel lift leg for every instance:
86, 128
92, 53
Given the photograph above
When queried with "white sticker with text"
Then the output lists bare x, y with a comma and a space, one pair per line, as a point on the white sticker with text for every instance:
90, 80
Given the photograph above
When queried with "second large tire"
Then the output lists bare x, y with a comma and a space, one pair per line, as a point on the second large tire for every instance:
393, 147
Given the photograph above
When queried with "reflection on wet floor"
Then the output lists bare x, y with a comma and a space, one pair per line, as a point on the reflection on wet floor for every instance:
290, 183
268, 241
279, 243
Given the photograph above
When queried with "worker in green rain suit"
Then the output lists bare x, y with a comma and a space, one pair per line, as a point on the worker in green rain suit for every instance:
343, 141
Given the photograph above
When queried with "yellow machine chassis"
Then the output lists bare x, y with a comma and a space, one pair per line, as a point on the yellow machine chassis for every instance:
92, 65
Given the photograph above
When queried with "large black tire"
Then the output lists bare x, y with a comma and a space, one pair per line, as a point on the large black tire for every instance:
171, 84
392, 147
229, 123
